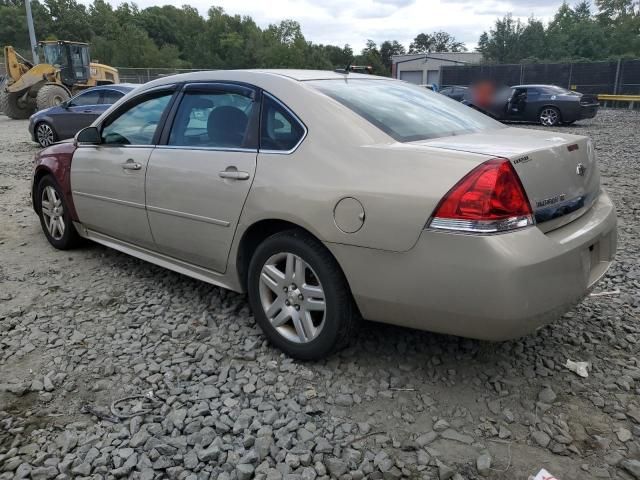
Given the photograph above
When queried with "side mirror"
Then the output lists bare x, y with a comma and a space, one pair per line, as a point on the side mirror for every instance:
87, 136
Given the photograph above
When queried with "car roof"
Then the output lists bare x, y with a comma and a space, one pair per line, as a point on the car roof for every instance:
240, 75
535, 85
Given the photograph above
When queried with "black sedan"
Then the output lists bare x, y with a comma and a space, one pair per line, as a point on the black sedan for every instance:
65, 120
548, 104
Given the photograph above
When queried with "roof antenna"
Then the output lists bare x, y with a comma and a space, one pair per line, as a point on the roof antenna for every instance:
345, 70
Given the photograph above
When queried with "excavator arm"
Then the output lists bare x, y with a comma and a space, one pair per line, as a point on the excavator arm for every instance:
15, 64
22, 74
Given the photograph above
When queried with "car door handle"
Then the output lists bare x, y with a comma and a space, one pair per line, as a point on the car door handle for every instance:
131, 165
87, 111
234, 175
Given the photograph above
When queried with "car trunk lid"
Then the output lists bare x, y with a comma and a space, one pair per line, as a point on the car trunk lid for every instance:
558, 171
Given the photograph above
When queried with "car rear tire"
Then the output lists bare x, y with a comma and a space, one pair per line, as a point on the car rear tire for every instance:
12, 105
51, 96
299, 296
550, 116
45, 135
54, 215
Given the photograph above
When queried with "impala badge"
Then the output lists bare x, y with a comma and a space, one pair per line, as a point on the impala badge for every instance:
581, 169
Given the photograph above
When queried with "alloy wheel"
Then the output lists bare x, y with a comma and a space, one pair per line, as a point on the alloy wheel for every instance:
292, 297
44, 133
549, 117
52, 212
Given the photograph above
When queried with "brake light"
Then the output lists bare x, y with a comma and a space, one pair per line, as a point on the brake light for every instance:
489, 199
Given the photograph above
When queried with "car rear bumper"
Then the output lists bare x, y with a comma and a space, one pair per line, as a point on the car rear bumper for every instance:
492, 287
588, 111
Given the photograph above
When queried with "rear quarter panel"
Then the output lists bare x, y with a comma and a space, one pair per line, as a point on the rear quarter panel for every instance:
398, 186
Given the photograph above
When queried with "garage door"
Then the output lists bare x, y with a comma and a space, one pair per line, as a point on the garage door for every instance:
433, 77
412, 76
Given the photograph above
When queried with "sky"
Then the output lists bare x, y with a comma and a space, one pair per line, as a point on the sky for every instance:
352, 22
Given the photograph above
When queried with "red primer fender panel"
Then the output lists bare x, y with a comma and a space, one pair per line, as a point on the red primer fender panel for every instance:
56, 160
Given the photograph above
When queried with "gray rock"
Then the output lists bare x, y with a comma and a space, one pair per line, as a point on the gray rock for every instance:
451, 434
444, 471
541, 438
632, 466
44, 473
244, 471
426, 438
84, 469
190, 460
344, 400
547, 395
336, 466
441, 425
483, 464
323, 445
623, 434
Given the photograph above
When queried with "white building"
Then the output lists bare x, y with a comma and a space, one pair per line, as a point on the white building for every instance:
424, 68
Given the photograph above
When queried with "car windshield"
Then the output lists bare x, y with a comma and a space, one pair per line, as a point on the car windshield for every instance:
405, 112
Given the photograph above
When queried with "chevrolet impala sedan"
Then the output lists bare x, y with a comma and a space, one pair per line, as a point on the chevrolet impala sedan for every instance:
330, 197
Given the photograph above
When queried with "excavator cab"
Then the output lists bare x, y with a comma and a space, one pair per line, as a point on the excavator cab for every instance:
71, 58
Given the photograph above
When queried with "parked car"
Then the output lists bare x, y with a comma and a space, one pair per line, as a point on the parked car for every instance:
65, 120
327, 196
548, 104
455, 92
431, 86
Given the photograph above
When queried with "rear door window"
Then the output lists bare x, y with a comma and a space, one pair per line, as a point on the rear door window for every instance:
86, 98
280, 130
216, 119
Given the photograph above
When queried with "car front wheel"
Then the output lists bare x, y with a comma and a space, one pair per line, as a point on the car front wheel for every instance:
299, 296
54, 215
550, 116
45, 134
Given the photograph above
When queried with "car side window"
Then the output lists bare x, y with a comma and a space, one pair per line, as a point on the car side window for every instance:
532, 92
86, 98
279, 129
110, 97
216, 119
137, 124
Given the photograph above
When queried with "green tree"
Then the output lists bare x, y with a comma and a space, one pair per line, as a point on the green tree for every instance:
445, 42
423, 43
370, 56
502, 43
388, 49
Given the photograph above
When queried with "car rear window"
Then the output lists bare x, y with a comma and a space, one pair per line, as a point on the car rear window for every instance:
405, 112
555, 90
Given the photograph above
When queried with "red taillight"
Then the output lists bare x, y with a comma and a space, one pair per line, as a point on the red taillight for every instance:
489, 199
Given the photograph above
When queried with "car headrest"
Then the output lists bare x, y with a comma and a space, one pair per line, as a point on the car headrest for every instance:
227, 126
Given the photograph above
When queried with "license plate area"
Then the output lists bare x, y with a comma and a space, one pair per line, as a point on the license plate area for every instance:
597, 257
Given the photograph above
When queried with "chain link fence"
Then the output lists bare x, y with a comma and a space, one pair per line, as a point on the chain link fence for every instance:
620, 77
143, 75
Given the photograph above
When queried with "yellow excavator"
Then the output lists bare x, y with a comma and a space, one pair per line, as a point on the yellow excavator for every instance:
67, 69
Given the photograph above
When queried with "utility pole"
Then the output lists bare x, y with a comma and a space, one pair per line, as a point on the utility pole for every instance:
32, 33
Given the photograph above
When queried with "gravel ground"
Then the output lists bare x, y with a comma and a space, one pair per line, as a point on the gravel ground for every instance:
82, 329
